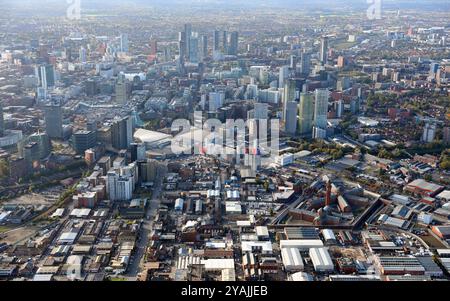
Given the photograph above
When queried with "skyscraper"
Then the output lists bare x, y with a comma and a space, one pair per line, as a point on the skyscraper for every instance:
429, 132
119, 188
234, 43
31, 155
43, 141
46, 75
321, 108
305, 113
284, 73
187, 34
216, 100
216, 43
293, 62
82, 55
204, 47
122, 133
260, 111
323, 50
225, 41
290, 125
434, 68
288, 95
83, 140
121, 90
193, 48
182, 44
123, 43
54, 119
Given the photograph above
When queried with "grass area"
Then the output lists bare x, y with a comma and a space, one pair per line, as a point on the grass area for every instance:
343, 45
4, 229
117, 279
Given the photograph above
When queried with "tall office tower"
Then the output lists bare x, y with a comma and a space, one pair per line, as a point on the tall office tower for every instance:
119, 188
434, 68
83, 140
293, 62
46, 75
193, 48
153, 46
82, 55
187, 34
260, 111
122, 133
43, 141
305, 63
2, 121
216, 44
123, 43
323, 50
305, 113
225, 41
31, 155
90, 87
204, 47
216, 100
137, 151
290, 125
429, 132
288, 94
121, 90
321, 108
182, 44
234, 43
284, 74
54, 119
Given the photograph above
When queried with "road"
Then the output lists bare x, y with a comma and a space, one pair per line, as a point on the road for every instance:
146, 228
281, 215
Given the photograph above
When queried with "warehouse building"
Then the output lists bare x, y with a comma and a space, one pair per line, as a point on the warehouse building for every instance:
328, 236
301, 233
301, 244
292, 260
262, 232
400, 265
424, 188
431, 268
321, 260
263, 247
301, 276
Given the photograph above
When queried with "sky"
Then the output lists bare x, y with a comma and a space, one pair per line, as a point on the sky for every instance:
211, 4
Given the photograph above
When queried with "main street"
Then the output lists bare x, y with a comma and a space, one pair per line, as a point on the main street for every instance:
146, 227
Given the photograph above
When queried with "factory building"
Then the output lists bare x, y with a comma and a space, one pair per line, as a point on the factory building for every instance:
292, 260
321, 260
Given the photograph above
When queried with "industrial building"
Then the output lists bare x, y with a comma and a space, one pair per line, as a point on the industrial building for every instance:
292, 260
321, 260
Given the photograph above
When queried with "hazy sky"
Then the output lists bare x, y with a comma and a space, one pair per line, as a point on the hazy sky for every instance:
297, 4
